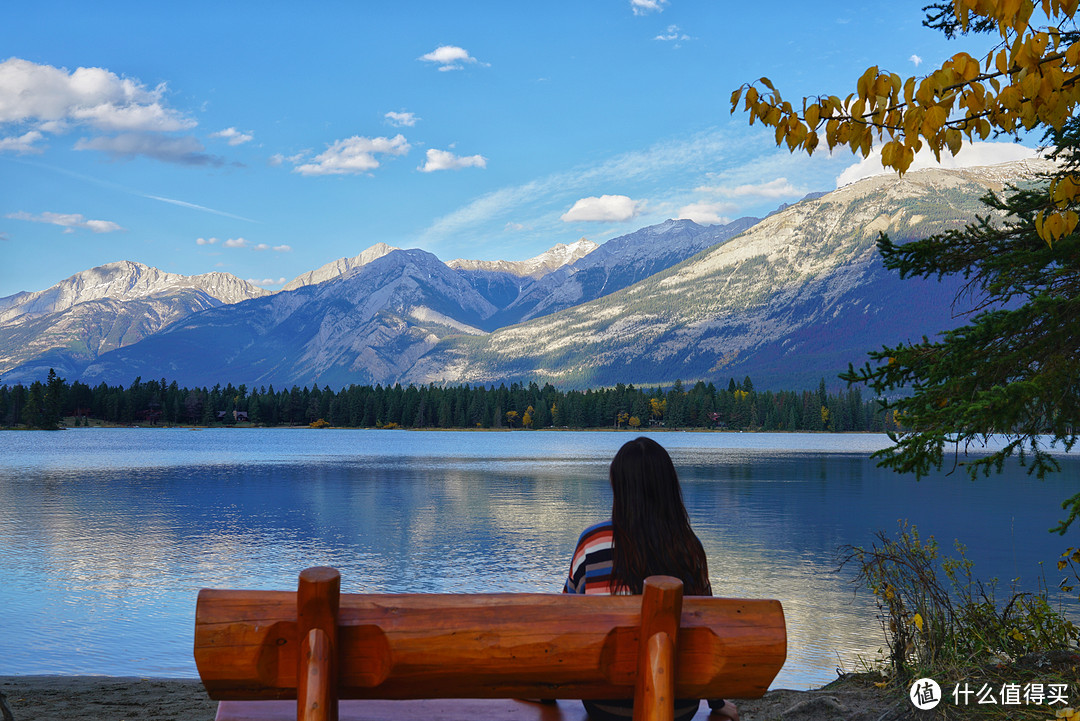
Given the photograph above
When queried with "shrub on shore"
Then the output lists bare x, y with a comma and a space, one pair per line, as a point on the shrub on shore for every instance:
941, 622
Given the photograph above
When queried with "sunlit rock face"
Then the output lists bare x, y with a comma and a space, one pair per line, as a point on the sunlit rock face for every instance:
98, 310
793, 299
787, 300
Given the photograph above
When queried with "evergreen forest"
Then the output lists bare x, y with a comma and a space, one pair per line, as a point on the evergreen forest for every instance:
736, 406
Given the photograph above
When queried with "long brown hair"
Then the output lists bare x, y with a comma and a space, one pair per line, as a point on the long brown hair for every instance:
652, 533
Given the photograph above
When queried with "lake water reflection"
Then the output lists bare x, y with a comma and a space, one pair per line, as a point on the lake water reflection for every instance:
107, 535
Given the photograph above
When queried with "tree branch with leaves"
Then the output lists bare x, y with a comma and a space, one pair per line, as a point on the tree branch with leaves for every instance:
1014, 370
1029, 78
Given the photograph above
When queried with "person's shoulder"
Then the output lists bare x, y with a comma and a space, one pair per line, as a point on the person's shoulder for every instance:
597, 529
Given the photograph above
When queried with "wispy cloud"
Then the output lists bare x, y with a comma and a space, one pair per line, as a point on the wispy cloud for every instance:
402, 119
70, 222
970, 155
124, 189
709, 213
22, 144
644, 7
450, 57
353, 155
266, 281
244, 243
777, 188
698, 151
184, 150
193, 206
606, 209
445, 160
673, 35
720, 207
233, 136
916, 59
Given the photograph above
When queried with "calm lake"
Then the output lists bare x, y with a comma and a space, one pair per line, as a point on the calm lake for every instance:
106, 535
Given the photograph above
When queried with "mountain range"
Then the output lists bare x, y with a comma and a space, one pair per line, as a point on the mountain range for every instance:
787, 300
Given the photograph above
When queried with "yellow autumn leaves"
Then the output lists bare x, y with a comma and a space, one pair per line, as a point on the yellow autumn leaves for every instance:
1031, 78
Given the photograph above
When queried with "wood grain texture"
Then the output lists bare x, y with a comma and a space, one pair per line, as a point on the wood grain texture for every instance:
314, 701
661, 610
403, 646
317, 604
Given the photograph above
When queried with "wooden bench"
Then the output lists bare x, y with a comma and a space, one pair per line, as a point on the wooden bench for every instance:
468, 656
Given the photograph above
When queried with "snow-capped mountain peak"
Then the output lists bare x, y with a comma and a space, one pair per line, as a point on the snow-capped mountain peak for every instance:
536, 267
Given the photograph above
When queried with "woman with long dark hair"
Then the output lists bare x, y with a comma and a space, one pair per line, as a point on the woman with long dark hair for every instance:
649, 534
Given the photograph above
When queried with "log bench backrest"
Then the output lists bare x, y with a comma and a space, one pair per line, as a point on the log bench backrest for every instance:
407, 646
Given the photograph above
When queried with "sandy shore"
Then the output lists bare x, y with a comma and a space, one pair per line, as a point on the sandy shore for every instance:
103, 698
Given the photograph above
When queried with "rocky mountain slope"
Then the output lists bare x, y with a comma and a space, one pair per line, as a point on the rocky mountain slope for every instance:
414, 304
793, 299
337, 332
101, 309
552, 259
338, 267
616, 264
786, 300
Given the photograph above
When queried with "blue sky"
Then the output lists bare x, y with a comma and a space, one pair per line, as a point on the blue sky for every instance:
266, 139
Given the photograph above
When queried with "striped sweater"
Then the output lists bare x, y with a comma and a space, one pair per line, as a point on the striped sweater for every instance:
590, 569
590, 573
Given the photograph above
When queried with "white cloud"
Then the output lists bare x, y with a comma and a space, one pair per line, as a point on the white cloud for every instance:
69, 221
701, 151
278, 159
643, 7
708, 213
95, 97
916, 59
445, 160
606, 208
353, 155
778, 188
245, 243
401, 120
971, 155
266, 281
450, 57
514, 227
22, 144
184, 150
233, 136
673, 34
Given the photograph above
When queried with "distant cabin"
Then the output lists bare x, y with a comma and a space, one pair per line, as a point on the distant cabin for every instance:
237, 416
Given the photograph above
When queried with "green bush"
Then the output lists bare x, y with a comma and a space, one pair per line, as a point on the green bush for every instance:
938, 617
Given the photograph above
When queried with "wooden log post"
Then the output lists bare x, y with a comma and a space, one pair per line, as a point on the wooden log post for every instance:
317, 600
661, 611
